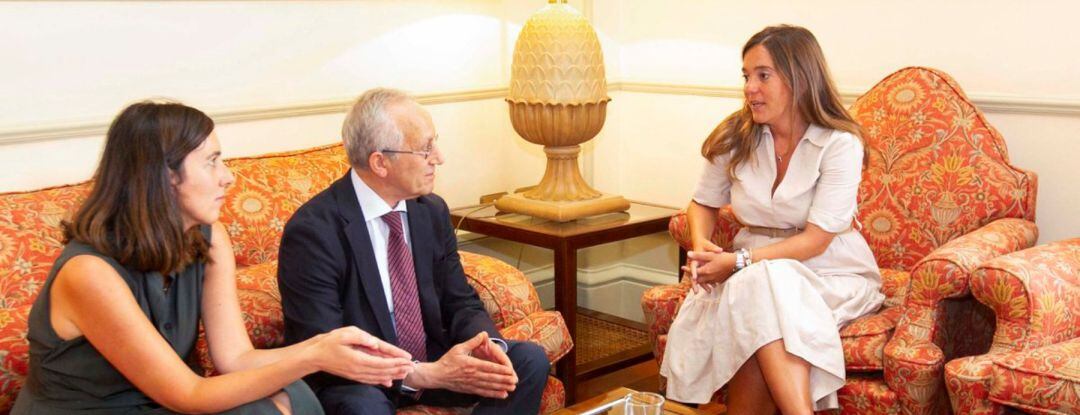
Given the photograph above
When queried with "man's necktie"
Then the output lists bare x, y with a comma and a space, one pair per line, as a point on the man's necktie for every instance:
407, 317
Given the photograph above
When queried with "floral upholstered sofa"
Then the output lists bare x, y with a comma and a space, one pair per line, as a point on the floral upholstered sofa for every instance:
1034, 363
938, 197
267, 190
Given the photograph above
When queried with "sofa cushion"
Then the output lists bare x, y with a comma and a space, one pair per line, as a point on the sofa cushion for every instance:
1043, 380
259, 277
864, 340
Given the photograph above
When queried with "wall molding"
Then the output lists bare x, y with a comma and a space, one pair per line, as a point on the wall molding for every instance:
83, 129
999, 104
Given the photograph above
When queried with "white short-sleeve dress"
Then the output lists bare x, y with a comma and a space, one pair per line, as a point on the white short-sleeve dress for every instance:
804, 303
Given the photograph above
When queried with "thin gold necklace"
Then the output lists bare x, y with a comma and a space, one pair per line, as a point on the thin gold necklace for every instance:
780, 157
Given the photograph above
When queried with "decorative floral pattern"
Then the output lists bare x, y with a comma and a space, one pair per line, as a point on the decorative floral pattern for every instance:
546, 328
267, 191
1043, 380
931, 153
505, 291
30, 238
867, 395
259, 277
938, 197
864, 340
14, 353
968, 382
1034, 361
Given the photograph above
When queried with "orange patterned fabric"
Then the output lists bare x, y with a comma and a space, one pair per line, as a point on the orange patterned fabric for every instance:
549, 403
31, 238
1034, 360
867, 395
937, 168
267, 191
968, 383
14, 353
507, 294
1033, 294
1044, 380
726, 228
546, 328
260, 277
864, 340
938, 197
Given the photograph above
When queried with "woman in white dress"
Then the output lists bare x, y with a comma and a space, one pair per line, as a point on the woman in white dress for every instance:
765, 319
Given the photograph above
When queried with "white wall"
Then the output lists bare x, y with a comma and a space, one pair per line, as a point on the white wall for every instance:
75, 64
999, 51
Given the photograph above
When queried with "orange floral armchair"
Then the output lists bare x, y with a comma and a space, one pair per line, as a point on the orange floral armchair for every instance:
1034, 362
938, 197
268, 189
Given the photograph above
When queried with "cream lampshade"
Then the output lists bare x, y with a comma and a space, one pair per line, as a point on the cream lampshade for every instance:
558, 99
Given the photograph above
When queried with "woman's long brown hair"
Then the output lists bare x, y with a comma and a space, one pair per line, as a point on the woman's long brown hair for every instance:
801, 65
132, 213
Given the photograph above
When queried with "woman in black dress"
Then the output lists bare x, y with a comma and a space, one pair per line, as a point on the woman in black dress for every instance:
145, 262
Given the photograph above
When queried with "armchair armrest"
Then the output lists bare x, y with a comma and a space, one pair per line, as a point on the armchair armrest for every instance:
726, 228
659, 305
1033, 295
546, 328
944, 272
507, 295
514, 306
913, 355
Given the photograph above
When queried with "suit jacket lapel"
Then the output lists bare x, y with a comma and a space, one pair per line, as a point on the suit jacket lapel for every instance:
423, 250
363, 254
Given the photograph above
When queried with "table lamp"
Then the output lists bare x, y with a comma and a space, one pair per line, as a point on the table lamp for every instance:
558, 99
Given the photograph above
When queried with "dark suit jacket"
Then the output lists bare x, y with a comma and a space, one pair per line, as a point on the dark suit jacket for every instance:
329, 279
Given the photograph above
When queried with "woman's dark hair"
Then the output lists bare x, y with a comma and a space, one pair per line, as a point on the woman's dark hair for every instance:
132, 213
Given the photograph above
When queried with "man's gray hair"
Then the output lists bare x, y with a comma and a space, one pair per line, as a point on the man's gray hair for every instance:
369, 128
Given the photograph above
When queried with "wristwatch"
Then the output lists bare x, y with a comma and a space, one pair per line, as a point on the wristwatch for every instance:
742, 259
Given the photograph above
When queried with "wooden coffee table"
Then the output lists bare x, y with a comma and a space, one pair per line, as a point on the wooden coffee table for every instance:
614, 394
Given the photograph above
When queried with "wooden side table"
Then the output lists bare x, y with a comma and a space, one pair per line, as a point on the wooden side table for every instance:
565, 239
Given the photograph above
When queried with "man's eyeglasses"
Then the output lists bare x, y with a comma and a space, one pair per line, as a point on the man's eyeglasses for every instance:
425, 153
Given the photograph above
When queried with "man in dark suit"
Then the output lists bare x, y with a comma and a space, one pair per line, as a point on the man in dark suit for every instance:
376, 250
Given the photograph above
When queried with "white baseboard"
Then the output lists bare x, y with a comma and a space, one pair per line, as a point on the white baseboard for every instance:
613, 289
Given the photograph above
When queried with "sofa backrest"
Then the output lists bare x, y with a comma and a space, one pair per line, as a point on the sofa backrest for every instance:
268, 189
937, 168
31, 238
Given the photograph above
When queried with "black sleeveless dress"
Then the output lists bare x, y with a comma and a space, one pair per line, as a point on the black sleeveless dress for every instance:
72, 377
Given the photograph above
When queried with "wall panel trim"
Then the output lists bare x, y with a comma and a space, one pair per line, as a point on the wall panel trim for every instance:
988, 103
83, 129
